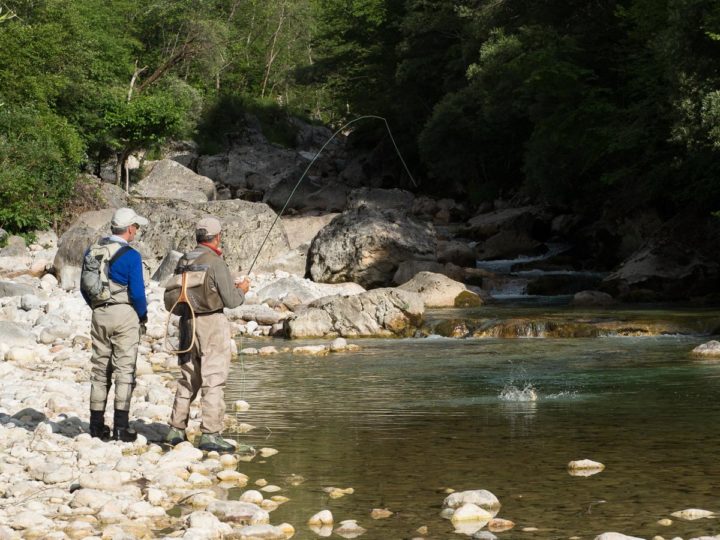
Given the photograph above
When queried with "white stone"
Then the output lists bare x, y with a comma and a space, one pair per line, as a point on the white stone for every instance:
471, 512
711, 348
692, 514
338, 344
251, 496
324, 517
480, 497
616, 536
241, 405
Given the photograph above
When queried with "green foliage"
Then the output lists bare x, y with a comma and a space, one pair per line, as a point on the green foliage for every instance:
39, 157
226, 117
149, 119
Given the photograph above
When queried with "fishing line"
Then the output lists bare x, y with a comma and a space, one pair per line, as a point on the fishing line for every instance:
302, 177
282, 211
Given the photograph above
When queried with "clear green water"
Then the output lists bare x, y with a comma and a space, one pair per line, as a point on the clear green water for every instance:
402, 419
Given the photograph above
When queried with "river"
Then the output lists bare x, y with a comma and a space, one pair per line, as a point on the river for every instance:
401, 421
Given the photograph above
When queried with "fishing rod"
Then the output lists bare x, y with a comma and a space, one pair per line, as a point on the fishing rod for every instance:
302, 177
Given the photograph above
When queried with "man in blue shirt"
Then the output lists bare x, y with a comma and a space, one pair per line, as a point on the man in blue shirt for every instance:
116, 329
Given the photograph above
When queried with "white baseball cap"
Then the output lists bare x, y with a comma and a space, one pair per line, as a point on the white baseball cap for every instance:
124, 217
209, 224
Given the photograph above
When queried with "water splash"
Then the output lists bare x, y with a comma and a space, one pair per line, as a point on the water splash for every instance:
513, 393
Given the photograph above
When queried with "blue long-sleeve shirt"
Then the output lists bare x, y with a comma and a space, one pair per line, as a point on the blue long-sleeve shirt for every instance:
127, 271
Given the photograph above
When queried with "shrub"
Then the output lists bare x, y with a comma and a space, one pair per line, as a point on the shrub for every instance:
40, 154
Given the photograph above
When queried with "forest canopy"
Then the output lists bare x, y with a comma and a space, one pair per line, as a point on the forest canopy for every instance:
566, 102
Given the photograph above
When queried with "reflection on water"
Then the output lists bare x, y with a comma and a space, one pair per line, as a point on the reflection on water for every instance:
403, 420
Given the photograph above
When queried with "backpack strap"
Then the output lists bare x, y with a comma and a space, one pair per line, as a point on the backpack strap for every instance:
125, 248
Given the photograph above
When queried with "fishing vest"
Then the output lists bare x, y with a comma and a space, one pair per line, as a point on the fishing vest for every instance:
95, 282
201, 292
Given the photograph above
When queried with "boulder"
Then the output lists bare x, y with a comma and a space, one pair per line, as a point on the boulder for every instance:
436, 290
301, 230
669, 268
456, 252
533, 221
380, 199
367, 246
88, 228
380, 312
710, 349
169, 179
304, 290
509, 244
314, 193
592, 298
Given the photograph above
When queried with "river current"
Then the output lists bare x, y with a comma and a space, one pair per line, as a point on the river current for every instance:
404, 421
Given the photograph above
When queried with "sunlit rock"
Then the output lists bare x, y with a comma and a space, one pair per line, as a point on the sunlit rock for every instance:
324, 517
261, 532
241, 405
468, 528
500, 525
710, 349
480, 497
349, 529
336, 493
234, 511
267, 452
692, 514
616, 536
322, 530
205, 521
380, 513
665, 522
251, 496
311, 350
584, 467
237, 478
261, 517
483, 535
471, 512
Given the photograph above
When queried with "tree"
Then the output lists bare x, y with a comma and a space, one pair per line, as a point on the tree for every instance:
39, 158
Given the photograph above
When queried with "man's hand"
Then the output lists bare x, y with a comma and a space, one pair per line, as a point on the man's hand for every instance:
243, 285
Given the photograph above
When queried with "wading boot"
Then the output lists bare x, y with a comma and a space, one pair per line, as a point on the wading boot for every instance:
213, 442
121, 429
124, 434
101, 432
175, 436
98, 429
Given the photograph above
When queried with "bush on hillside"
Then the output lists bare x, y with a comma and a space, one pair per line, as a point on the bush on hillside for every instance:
40, 154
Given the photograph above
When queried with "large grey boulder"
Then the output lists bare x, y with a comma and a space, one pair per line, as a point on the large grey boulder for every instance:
301, 230
88, 228
314, 193
380, 312
168, 179
664, 269
172, 227
245, 226
304, 290
367, 246
509, 232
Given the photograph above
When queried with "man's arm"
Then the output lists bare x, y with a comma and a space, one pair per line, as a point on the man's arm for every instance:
136, 285
231, 296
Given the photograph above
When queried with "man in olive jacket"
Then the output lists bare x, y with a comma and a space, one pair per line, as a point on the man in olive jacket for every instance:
205, 368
